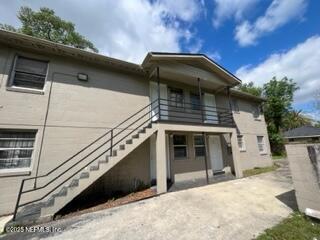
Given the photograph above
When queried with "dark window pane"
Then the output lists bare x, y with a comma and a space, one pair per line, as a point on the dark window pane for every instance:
176, 97
28, 80
200, 151
179, 140
198, 140
180, 152
195, 101
31, 66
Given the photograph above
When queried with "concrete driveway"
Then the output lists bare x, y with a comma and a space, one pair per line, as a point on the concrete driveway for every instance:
238, 209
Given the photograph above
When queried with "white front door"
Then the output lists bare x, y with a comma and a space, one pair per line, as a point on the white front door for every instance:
215, 153
210, 108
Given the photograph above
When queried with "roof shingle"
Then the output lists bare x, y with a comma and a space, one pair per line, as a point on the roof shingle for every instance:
305, 131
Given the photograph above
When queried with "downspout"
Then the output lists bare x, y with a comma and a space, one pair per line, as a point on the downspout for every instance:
44, 130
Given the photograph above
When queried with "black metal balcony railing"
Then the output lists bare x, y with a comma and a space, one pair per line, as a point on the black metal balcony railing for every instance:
187, 112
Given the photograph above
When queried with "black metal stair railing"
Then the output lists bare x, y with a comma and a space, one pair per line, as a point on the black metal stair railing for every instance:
127, 128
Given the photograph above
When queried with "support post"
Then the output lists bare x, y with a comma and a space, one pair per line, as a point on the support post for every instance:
206, 155
229, 98
200, 97
158, 81
161, 161
236, 154
230, 104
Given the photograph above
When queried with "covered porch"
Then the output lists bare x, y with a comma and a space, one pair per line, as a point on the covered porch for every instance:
187, 155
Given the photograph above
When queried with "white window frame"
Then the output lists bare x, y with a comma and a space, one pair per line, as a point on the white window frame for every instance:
26, 169
195, 145
243, 148
12, 87
263, 143
180, 145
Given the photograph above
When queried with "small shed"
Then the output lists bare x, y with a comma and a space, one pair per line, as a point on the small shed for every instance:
304, 134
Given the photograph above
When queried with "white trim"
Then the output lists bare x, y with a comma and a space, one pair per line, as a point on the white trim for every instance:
20, 171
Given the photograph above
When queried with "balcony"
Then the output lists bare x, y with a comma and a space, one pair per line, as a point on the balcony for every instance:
191, 113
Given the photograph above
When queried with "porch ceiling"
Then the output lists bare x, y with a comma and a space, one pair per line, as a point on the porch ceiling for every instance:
187, 68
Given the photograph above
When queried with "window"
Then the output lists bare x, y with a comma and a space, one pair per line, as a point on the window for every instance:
261, 144
234, 104
195, 101
180, 146
176, 97
256, 112
16, 149
29, 73
199, 146
241, 144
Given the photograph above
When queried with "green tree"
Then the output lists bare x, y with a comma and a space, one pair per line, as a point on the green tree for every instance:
250, 88
279, 97
295, 119
46, 25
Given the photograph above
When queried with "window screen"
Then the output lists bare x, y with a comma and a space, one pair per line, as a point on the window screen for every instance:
241, 144
180, 146
195, 101
29, 73
199, 146
261, 144
176, 97
16, 149
256, 112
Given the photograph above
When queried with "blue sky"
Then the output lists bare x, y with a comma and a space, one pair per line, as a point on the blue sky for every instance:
254, 39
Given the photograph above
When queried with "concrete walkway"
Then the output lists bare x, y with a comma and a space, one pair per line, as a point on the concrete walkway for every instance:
238, 209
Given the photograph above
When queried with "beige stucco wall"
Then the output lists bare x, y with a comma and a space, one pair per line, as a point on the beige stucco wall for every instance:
304, 176
250, 128
79, 112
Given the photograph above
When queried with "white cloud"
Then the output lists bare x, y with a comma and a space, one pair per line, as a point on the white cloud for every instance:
300, 63
226, 9
122, 29
277, 14
215, 55
196, 46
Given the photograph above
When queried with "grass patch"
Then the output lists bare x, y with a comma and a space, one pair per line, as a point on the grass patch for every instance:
297, 226
279, 156
258, 170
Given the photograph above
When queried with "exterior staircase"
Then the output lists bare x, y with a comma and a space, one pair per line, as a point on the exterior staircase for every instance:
97, 161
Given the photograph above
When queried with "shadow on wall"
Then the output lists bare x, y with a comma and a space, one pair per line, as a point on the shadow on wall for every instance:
314, 156
289, 199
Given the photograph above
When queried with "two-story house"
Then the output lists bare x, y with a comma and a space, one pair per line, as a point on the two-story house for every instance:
72, 119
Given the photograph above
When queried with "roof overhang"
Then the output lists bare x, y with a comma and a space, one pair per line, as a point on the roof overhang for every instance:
196, 63
28, 43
